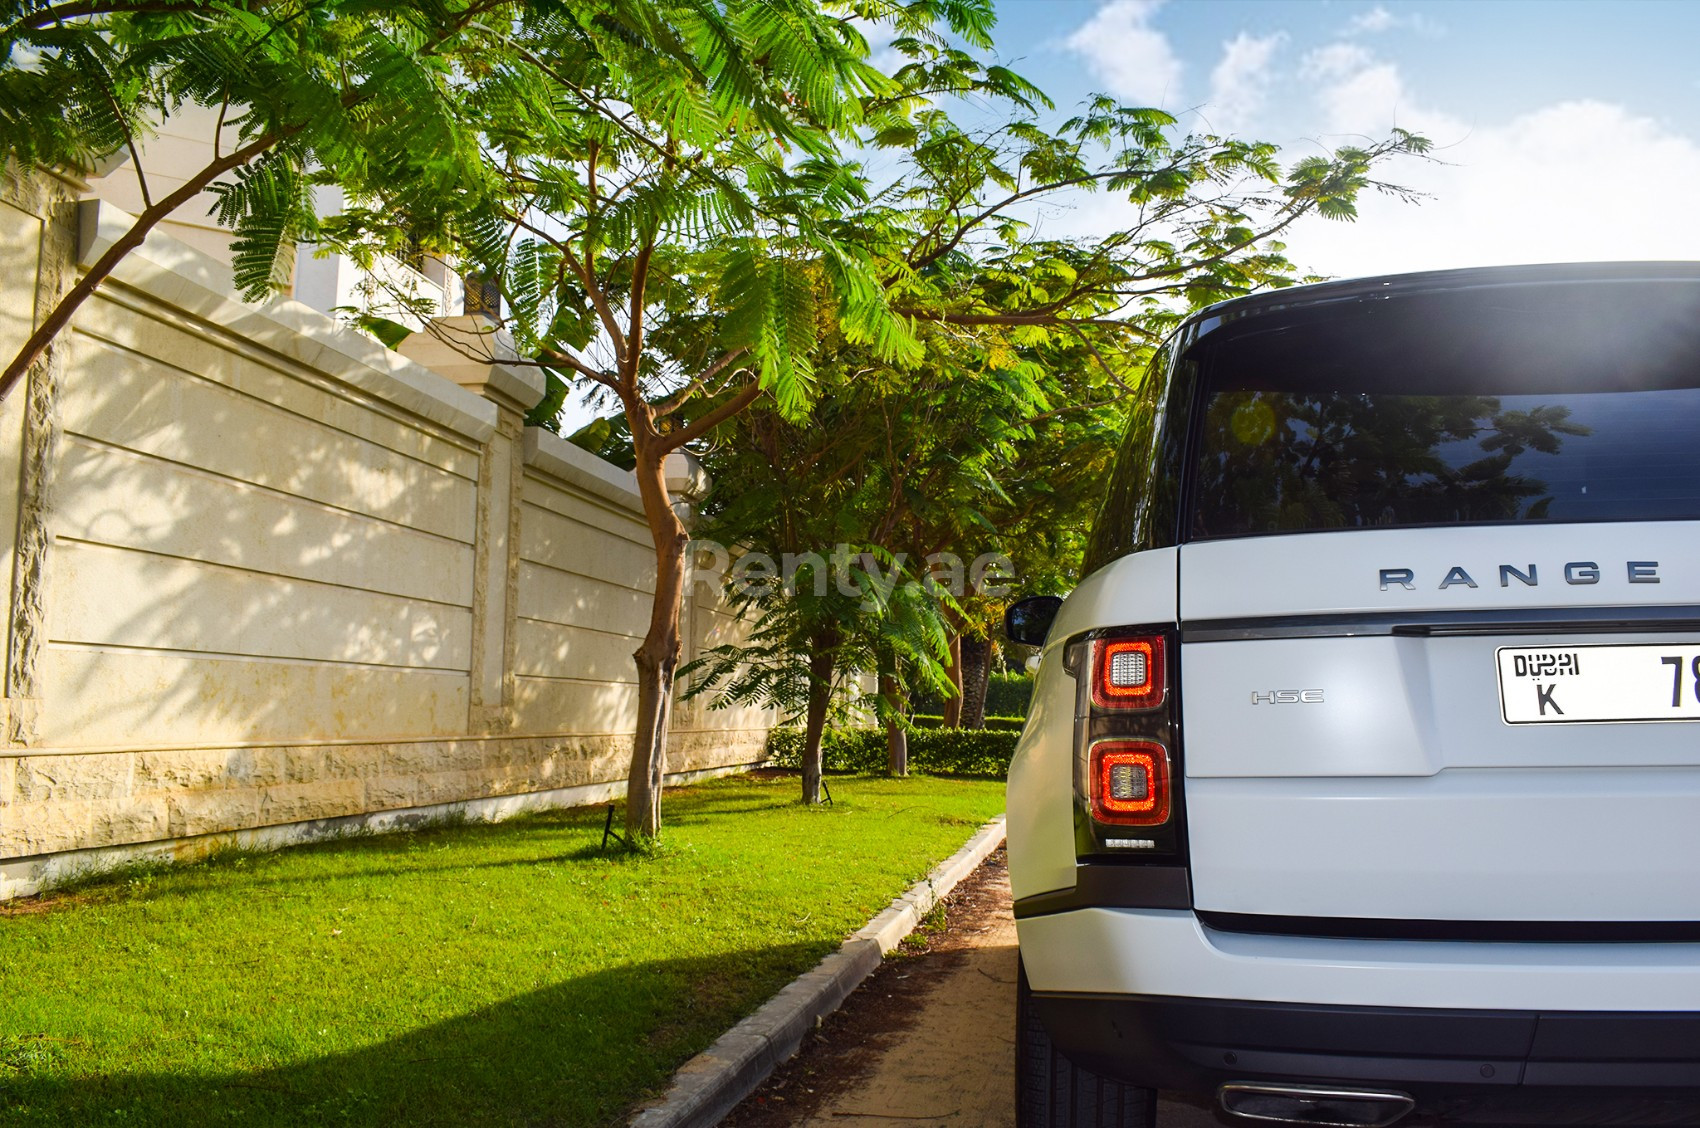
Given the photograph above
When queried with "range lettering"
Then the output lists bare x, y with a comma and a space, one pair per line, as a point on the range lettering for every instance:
1577, 573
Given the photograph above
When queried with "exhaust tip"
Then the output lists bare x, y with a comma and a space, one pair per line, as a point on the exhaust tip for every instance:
1314, 1104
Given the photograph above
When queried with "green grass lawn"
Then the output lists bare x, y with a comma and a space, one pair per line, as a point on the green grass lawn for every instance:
500, 974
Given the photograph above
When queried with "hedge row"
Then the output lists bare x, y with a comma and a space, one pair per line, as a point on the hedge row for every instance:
1007, 695
970, 752
1011, 723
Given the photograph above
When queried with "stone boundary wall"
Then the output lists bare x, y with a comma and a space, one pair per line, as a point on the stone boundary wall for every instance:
269, 579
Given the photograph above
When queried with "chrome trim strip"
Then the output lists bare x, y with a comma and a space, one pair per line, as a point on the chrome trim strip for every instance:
1498, 621
1388, 1105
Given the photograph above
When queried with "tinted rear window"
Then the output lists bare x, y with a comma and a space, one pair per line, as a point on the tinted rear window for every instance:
1454, 409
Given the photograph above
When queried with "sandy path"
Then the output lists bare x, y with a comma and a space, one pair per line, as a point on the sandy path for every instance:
928, 1041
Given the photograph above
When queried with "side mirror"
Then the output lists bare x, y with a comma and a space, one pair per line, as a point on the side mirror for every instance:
1029, 620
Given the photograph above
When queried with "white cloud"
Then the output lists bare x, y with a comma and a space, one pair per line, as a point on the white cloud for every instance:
1378, 19
1369, 101
1239, 86
1133, 59
1357, 91
1577, 180
1524, 189
1334, 61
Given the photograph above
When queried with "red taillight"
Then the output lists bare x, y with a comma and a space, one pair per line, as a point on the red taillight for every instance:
1127, 673
1129, 760
1130, 782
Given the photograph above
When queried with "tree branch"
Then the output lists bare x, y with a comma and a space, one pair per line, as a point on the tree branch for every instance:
130, 144
1099, 357
129, 241
598, 300
634, 313
592, 103
945, 317
218, 128
58, 13
61, 314
555, 358
679, 400
922, 261
702, 426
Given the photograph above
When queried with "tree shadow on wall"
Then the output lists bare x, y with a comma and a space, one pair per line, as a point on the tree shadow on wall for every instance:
247, 552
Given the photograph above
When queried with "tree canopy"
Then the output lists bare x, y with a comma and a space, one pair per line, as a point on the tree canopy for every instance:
684, 226
674, 199
350, 92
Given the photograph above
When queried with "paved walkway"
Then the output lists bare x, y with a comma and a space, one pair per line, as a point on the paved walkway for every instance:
928, 1041
954, 1063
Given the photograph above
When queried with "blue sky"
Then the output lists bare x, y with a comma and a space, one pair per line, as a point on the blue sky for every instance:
1568, 130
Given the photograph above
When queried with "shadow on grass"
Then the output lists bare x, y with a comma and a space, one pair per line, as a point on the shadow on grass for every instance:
352, 860
557, 837
576, 1053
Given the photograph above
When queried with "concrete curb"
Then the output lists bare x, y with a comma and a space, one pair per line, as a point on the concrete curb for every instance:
711, 1084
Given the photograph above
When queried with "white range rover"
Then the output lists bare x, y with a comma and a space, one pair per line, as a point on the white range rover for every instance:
1362, 777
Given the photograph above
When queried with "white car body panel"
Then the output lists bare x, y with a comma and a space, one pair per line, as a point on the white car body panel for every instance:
1396, 706
1135, 589
1399, 791
1039, 828
1339, 572
1377, 863
1494, 844
1169, 953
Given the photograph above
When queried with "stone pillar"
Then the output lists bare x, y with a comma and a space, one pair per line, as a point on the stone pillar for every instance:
35, 458
474, 354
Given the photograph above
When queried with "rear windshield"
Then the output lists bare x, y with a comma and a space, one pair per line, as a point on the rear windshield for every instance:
1457, 409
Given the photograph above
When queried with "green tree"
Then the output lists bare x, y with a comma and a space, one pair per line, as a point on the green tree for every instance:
1050, 477
832, 489
307, 91
980, 449
1205, 225
661, 191
668, 176
999, 438
950, 247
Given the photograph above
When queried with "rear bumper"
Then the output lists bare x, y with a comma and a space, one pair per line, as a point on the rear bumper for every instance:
1537, 1066
1171, 953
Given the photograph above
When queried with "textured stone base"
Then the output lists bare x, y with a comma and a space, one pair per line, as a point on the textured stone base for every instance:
63, 812
21, 877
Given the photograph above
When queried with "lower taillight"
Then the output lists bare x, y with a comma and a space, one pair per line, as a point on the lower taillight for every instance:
1130, 783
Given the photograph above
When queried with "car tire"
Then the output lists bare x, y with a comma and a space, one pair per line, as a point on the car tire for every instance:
1053, 1092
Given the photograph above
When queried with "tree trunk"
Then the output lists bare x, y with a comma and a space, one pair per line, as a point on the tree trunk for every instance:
823, 653
896, 736
953, 704
976, 672
658, 657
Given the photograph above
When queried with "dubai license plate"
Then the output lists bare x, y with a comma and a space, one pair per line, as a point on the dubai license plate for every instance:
1555, 684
